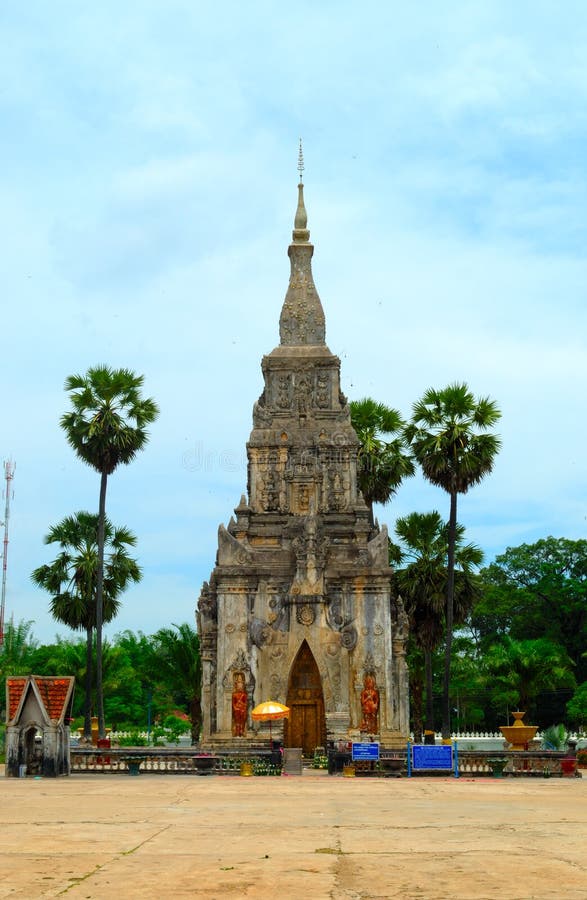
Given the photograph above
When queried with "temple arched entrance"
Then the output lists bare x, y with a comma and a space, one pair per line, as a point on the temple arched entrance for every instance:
306, 727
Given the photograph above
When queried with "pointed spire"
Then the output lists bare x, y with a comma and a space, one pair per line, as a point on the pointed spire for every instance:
302, 316
301, 235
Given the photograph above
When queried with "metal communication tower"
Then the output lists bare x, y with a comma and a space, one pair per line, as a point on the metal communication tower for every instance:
9, 468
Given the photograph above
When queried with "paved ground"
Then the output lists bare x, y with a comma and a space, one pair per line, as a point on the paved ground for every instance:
312, 836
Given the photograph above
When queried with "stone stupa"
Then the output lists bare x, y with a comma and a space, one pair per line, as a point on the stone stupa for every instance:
298, 608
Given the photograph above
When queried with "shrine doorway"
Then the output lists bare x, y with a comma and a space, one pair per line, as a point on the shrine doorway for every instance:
31, 751
306, 727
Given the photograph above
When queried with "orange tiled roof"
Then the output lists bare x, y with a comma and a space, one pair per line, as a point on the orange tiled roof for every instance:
15, 689
54, 693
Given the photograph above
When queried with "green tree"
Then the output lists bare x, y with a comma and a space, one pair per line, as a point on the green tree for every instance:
383, 460
151, 693
123, 692
577, 707
16, 654
538, 590
421, 580
177, 652
521, 669
106, 427
71, 579
449, 439
469, 686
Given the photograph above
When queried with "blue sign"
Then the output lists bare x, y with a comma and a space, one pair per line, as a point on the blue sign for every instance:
368, 752
427, 756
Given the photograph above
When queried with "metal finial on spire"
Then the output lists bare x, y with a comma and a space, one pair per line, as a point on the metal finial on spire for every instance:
301, 162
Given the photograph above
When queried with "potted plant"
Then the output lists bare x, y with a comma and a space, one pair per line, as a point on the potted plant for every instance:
582, 758
497, 765
568, 766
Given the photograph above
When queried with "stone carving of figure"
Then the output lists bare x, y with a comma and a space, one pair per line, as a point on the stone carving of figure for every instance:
303, 498
402, 627
322, 391
240, 703
303, 394
283, 397
369, 705
270, 493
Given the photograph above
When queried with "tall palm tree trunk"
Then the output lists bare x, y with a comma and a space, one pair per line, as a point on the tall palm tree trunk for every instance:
429, 720
450, 596
100, 605
88, 697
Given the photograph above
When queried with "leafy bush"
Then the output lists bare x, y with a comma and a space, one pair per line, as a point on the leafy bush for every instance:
134, 739
170, 731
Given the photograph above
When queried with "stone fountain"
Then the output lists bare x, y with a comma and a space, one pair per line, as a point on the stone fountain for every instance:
518, 734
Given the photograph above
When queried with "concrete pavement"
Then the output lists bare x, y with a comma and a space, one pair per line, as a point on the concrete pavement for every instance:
314, 836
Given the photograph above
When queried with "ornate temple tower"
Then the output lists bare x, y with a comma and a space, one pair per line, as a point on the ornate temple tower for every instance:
298, 608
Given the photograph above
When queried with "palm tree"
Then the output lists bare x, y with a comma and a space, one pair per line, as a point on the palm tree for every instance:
15, 653
106, 428
448, 437
178, 661
72, 578
381, 464
421, 580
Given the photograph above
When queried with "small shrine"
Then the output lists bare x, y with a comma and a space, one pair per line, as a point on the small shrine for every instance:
298, 608
38, 712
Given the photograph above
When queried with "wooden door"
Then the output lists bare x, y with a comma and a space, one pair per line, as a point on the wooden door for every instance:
306, 727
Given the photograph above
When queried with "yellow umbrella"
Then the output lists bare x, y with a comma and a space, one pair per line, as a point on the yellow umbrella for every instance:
268, 711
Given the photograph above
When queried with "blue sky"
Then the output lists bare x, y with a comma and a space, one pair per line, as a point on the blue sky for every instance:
148, 178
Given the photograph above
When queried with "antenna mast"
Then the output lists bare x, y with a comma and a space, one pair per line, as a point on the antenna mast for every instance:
9, 468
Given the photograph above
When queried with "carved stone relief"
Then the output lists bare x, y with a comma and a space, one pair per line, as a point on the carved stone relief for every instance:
260, 632
332, 645
303, 394
370, 666
262, 417
349, 637
231, 551
270, 492
277, 652
306, 614
334, 617
240, 663
338, 622
379, 548
280, 613
283, 396
323, 391
337, 491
